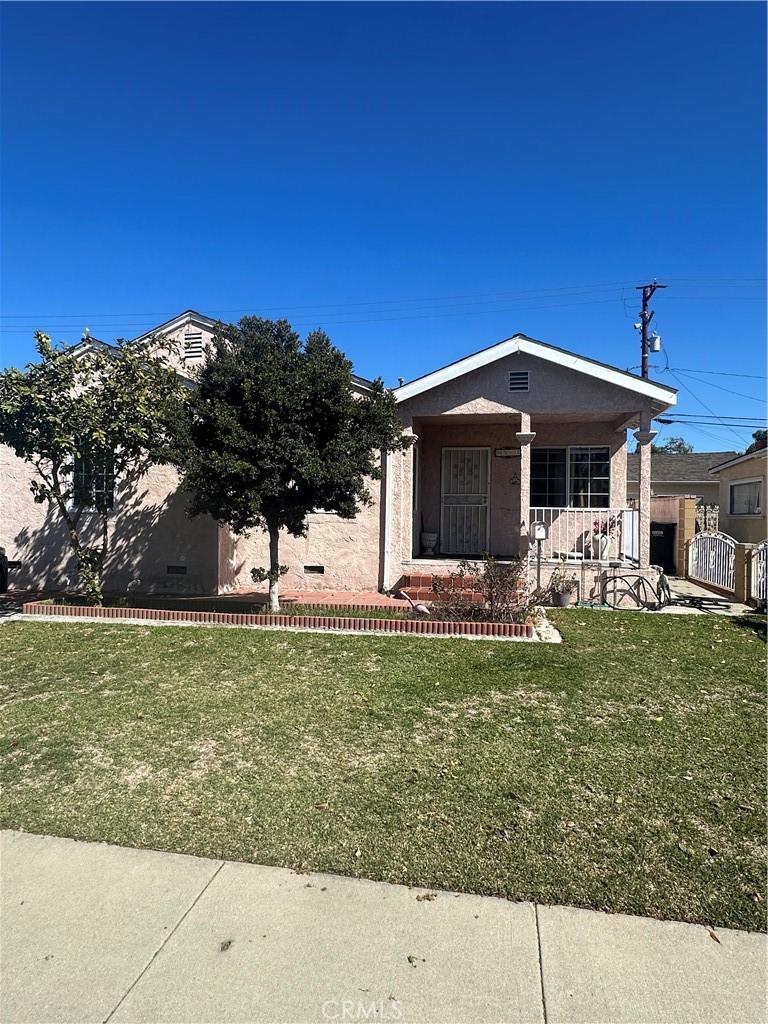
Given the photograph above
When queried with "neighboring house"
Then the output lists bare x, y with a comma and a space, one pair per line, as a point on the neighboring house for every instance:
680, 474
742, 482
517, 433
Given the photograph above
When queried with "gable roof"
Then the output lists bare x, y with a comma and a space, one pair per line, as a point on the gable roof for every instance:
667, 468
663, 396
758, 453
189, 316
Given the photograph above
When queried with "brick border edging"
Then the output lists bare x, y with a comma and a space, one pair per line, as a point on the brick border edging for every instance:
429, 627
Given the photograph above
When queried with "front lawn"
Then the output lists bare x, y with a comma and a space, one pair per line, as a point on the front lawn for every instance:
624, 769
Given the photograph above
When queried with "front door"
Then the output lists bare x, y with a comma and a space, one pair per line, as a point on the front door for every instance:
464, 501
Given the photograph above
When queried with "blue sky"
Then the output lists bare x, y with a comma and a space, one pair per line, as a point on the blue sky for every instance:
420, 179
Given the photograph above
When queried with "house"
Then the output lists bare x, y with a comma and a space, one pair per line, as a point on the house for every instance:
518, 433
680, 474
742, 483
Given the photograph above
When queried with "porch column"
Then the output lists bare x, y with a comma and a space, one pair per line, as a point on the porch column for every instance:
524, 438
644, 436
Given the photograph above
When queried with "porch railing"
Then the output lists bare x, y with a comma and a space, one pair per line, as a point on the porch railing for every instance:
594, 534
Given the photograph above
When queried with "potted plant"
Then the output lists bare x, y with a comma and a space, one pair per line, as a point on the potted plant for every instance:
562, 587
603, 529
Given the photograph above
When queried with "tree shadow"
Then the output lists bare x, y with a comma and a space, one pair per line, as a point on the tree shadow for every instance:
154, 547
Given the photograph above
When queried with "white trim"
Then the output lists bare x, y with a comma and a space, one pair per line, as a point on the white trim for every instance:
189, 316
761, 452
746, 515
519, 343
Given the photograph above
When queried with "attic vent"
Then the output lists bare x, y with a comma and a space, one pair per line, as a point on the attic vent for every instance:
193, 345
518, 380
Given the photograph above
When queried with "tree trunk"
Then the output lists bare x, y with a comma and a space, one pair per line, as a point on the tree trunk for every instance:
274, 567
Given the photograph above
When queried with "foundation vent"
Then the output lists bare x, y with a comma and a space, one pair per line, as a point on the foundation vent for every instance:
318, 570
518, 380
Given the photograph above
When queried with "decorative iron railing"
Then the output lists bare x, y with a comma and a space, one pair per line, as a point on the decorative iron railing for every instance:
593, 534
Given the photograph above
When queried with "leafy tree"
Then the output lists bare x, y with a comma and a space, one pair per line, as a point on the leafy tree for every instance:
673, 446
81, 419
758, 441
275, 431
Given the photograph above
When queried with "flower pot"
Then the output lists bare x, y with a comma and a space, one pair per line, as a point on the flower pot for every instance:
562, 598
600, 545
428, 543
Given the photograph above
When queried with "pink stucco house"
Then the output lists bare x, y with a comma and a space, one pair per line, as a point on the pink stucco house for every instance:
514, 434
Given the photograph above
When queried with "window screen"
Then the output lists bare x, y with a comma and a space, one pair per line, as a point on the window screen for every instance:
745, 498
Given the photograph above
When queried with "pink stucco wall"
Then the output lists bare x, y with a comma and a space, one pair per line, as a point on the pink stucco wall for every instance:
148, 531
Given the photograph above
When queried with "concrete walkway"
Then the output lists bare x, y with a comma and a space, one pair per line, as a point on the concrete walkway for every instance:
690, 599
101, 933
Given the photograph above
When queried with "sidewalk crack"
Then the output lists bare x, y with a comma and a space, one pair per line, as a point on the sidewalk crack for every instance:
161, 947
541, 963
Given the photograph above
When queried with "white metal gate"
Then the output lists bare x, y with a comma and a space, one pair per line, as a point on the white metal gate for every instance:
711, 560
758, 573
464, 501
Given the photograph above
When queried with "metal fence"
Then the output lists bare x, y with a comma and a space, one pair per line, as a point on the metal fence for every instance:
758, 580
712, 560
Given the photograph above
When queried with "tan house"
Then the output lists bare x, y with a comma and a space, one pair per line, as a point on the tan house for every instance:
515, 434
686, 474
742, 483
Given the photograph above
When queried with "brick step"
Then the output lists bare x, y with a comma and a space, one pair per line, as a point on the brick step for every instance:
426, 594
423, 581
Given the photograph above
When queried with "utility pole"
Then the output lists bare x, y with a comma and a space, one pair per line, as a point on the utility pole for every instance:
646, 315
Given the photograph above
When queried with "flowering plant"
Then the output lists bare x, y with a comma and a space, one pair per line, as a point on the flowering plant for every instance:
605, 527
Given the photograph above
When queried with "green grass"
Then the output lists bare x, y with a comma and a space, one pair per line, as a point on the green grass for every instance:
624, 769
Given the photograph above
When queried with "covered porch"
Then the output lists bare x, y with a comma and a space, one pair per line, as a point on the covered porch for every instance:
478, 483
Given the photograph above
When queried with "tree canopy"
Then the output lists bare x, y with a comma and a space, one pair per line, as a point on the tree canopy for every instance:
275, 430
81, 419
673, 446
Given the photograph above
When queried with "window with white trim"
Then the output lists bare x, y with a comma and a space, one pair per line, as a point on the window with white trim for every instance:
573, 477
746, 498
518, 380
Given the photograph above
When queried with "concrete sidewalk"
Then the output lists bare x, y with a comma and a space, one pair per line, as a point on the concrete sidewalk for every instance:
101, 933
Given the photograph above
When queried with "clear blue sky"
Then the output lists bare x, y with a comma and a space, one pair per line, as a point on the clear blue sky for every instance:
421, 180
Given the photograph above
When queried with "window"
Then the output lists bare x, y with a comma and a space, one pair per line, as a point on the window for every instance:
578, 477
94, 482
518, 380
746, 498
193, 345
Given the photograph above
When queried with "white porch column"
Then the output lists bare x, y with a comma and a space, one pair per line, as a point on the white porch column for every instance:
644, 436
524, 438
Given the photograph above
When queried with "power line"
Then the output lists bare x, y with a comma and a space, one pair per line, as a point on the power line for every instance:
703, 404
718, 373
730, 391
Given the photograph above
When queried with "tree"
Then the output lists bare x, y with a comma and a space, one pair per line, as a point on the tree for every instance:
275, 431
82, 419
758, 441
673, 446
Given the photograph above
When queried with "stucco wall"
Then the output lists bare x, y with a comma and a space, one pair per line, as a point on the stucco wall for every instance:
148, 531
747, 529
348, 550
552, 389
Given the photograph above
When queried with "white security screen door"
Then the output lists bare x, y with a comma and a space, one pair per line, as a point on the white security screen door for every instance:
464, 501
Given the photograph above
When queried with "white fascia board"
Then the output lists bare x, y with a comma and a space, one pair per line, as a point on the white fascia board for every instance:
665, 396
189, 316
740, 458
